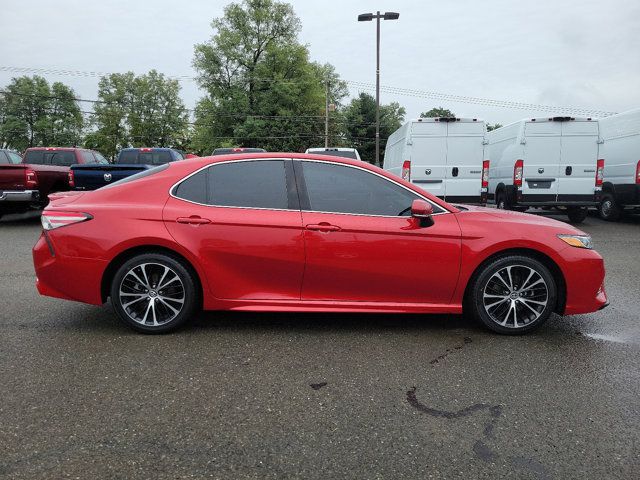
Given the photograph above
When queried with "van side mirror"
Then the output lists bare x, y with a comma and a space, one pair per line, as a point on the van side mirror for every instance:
422, 211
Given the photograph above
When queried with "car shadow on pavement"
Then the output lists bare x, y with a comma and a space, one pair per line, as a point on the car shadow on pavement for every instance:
18, 219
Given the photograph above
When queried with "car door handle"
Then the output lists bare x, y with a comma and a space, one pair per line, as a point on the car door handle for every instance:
322, 227
193, 220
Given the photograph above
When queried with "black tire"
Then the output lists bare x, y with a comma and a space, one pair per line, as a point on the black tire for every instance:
147, 291
501, 201
609, 209
522, 305
577, 214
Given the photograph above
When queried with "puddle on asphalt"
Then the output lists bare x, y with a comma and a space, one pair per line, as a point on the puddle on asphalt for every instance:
608, 338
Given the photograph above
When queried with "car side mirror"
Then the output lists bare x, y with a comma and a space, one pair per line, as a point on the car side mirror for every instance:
422, 211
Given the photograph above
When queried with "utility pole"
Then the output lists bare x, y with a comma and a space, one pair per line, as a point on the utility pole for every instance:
326, 114
367, 17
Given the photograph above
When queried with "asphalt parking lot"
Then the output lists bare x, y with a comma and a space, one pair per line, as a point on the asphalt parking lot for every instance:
244, 395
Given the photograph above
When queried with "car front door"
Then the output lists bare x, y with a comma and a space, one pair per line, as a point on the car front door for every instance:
362, 245
243, 222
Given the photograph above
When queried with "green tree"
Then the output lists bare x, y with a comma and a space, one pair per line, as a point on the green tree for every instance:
37, 114
262, 89
359, 123
493, 126
142, 111
438, 113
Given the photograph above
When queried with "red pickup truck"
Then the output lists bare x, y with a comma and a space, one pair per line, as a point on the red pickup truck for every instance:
25, 183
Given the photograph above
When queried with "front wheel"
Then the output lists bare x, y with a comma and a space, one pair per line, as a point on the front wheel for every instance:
154, 293
577, 214
513, 295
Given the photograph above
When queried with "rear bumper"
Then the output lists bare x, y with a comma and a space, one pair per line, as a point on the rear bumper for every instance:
547, 200
64, 277
627, 195
25, 196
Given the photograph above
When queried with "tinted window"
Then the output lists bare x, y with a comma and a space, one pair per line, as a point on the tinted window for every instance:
34, 157
87, 156
3, 158
14, 158
259, 184
154, 158
138, 176
340, 189
65, 159
128, 156
100, 158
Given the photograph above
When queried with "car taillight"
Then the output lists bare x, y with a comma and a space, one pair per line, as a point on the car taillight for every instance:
599, 172
52, 219
30, 179
485, 174
72, 179
638, 173
406, 170
518, 168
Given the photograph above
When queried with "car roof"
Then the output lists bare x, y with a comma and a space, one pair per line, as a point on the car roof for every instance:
331, 149
64, 149
154, 149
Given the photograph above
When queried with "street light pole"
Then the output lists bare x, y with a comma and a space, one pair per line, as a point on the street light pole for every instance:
367, 17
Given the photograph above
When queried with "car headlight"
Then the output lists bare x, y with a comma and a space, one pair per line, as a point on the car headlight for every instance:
579, 241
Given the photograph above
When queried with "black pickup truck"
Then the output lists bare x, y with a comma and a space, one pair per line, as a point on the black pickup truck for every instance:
130, 161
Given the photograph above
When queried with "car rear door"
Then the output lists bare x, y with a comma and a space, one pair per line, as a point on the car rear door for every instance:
541, 161
428, 155
363, 246
578, 160
465, 153
242, 220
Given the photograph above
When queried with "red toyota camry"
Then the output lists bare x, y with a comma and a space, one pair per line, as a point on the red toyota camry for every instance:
294, 232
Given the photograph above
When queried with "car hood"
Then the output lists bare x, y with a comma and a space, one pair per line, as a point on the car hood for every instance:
515, 219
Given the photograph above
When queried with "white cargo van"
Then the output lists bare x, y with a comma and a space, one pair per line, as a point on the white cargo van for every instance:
620, 149
546, 162
444, 156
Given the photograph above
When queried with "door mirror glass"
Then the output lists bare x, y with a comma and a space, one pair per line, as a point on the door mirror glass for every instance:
422, 211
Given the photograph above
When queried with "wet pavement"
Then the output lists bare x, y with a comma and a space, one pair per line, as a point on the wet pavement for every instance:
245, 395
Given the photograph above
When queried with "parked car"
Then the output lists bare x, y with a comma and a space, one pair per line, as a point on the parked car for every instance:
302, 232
445, 156
25, 185
546, 162
620, 136
234, 150
129, 162
335, 152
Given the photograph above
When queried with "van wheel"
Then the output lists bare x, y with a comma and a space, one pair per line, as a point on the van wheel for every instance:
501, 201
154, 293
609, 209
513, 295
577, 214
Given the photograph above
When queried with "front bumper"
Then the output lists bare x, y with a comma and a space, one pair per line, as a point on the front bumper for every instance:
584, 274
26, 196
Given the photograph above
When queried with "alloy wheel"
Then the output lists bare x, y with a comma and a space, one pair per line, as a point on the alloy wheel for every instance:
152, 294
515, 296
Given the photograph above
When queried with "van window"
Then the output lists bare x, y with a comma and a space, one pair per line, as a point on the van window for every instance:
340, 189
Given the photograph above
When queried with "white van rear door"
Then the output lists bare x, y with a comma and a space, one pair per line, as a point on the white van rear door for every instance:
579, 158
541, 161
428, 156
465, 152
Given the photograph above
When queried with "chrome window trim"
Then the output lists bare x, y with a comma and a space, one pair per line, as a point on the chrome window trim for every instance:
213, 164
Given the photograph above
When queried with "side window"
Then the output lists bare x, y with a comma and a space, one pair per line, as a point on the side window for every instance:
249, 184
63, 159
340, 189
100, 158
4, 159
87, 156
14, 158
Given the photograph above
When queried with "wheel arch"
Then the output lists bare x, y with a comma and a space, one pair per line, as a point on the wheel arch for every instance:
122, 257
546, 260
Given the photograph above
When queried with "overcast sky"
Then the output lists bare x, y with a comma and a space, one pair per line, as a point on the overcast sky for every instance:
563, 52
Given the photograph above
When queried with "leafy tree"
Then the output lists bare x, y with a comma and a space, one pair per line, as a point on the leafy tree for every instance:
37, 114
262, 89
359, 123
137, 111
493, 126
438, 113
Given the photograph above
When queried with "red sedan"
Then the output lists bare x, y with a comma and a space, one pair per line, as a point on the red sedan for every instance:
301, 232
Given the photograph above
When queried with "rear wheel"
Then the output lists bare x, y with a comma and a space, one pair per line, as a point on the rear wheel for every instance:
609, 209
154, 293
577, 214
501, 201
513, 294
